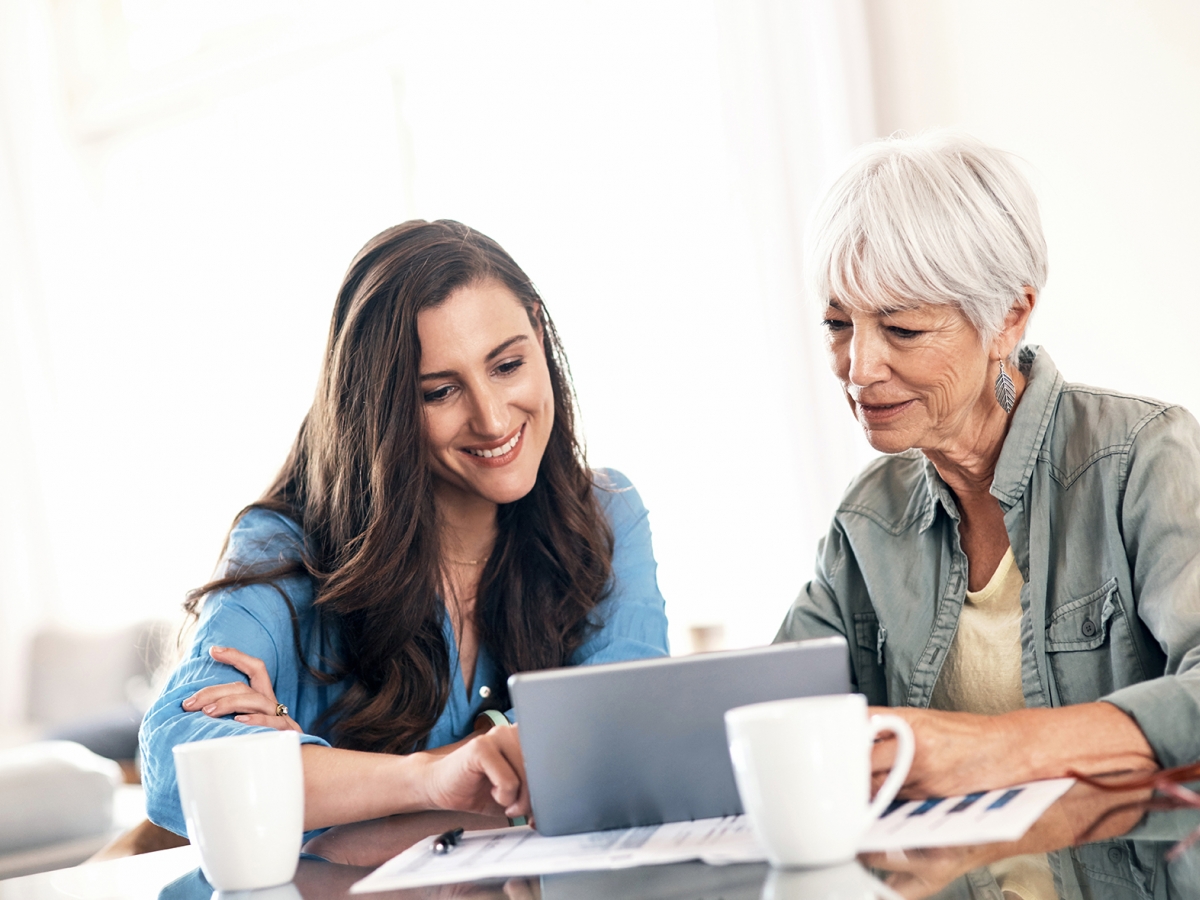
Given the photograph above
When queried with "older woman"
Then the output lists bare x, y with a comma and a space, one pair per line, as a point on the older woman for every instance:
1021, 572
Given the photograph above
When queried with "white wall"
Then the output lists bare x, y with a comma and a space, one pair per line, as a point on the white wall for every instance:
1102, 99
189, 222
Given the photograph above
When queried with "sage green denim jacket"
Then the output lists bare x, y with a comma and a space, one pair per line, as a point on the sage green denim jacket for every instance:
1101, 499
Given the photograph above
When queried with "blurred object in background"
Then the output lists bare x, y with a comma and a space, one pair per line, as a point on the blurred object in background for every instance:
706, 638
69, 781
92, 688
57, 806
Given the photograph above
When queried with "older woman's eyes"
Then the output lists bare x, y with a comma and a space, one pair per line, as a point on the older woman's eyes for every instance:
903, 332
835, 324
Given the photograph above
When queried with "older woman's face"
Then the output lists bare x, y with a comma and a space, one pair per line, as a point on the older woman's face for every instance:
915, 376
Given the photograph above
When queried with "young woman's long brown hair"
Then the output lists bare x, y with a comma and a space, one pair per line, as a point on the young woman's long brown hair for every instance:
358, 483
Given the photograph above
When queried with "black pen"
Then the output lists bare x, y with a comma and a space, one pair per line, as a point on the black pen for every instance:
447, 841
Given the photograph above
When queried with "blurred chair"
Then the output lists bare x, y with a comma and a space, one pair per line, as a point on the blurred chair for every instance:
93, 688
69, 793
56, 805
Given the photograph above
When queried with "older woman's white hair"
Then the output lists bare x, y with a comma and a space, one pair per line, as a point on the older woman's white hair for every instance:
938, 218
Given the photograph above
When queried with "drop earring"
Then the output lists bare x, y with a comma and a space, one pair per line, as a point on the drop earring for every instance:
1006, 391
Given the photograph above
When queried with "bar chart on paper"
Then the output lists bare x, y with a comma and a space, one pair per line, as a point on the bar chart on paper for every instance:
984, 817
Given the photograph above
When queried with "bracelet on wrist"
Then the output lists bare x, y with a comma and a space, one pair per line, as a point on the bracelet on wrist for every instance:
489, 719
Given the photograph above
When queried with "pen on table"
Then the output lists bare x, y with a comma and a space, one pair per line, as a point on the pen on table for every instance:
447, 841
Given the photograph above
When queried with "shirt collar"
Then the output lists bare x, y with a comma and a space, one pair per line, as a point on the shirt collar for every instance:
939, 494
1026, 431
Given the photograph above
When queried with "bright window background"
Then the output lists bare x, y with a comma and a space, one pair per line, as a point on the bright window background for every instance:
183, 183
204, 196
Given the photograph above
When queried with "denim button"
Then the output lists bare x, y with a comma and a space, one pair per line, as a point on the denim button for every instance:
485, 692
1089, 628
1115, 855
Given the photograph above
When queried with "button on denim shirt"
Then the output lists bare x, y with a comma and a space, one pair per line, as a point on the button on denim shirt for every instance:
1101, 499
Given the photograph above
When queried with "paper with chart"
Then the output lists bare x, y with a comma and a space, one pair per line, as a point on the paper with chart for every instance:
983, 818
986, 817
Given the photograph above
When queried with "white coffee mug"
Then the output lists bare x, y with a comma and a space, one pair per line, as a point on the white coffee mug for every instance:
243, 801
803, 771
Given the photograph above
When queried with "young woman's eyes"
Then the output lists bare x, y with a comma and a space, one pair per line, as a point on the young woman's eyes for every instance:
439, 394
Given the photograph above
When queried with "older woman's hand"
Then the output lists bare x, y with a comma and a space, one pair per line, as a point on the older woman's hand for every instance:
951, 755
252, 704
957, 753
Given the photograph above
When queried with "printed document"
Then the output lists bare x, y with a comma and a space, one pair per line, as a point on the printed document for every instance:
983, 818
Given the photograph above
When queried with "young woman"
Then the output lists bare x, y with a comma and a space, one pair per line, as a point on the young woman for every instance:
434, 529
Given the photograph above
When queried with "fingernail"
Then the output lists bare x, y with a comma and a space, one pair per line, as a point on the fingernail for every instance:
241, 718
189, 703
209, 709
216, 649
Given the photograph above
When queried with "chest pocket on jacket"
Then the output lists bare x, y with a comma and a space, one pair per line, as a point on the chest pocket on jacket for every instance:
1089, 647
1083, 624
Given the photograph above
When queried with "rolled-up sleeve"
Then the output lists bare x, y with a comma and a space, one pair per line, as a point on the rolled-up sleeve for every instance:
254, 620
633, 616
1161, 527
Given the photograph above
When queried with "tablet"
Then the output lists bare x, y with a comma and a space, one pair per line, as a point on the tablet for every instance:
643, 742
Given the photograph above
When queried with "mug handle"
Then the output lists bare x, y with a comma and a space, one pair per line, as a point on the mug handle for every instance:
904, 757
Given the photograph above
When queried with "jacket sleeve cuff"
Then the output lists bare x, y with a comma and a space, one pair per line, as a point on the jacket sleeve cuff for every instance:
1168, 712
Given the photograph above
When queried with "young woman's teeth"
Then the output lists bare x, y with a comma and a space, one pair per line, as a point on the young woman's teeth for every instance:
499, 451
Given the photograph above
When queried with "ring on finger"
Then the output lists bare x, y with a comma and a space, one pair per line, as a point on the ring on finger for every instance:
280, 709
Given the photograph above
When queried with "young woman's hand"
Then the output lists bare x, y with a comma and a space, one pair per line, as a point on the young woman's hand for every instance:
485, 775
253, 703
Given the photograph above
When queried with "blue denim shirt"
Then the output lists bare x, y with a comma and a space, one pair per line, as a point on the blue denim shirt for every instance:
256, 621
1101, 499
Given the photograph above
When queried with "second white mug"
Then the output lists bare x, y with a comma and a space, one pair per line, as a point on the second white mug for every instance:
243, 800
803, 771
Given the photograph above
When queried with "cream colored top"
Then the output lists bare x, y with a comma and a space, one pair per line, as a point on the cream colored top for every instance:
982, 674
982, 671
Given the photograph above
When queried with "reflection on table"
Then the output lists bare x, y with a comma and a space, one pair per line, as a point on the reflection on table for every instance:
1101, 845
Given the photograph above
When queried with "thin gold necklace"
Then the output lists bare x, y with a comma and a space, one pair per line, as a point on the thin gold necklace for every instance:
467, 562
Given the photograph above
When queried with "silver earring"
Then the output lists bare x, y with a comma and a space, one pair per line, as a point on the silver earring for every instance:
1006, 391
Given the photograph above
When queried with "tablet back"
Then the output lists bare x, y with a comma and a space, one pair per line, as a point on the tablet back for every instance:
643, 742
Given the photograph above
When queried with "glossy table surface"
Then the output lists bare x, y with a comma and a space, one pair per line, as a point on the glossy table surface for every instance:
1103, 845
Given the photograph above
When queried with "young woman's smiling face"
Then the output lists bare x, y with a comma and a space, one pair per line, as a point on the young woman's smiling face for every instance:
489, 404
